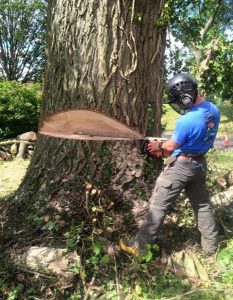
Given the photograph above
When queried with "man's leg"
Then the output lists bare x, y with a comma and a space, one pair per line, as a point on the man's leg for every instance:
199, 197
167, 189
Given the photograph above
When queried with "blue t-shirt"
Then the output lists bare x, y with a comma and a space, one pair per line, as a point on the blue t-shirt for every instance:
197, 129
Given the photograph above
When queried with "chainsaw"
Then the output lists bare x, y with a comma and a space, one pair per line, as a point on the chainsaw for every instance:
159, 153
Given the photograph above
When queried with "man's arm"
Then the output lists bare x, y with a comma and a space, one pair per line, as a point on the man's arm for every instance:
169, 145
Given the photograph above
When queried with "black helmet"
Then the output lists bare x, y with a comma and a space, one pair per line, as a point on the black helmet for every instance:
182, 92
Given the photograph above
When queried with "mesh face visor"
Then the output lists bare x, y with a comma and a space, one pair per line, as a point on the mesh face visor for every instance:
178, 107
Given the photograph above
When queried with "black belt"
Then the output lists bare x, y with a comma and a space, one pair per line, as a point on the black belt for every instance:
182, 156
195, 157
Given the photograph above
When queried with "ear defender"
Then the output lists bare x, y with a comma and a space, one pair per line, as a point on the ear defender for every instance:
186, 100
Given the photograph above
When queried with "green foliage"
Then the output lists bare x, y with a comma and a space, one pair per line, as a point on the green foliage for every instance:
19, 108
8, 291
216, 78
73, 236
22, 39
226, 110
14, 294
225, 259
203, 28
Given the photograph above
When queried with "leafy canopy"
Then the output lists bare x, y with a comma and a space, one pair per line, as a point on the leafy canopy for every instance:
205, 28
22, 39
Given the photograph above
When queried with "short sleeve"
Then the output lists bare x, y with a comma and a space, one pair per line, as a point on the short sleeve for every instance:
180, 132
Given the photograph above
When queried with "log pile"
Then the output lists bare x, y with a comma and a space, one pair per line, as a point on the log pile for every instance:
225, 181
22, 147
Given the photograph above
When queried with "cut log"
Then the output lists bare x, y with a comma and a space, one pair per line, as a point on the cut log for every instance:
225, 180
5, 155
14, 149
224, 198
9, 142
27, 136
30, 152
22, 148
47, 260
229, 177
85, 125
221, 182
30, 147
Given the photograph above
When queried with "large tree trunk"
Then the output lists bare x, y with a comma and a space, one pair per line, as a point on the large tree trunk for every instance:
105, 56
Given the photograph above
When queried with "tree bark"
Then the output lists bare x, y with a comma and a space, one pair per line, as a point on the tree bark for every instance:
105, 56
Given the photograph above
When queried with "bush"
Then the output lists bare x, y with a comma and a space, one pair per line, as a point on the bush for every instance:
19, 108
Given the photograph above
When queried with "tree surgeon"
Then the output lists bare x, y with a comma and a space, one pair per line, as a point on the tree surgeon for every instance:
186, 168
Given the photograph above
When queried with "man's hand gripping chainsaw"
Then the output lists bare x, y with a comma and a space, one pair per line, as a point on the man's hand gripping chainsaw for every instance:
150, 147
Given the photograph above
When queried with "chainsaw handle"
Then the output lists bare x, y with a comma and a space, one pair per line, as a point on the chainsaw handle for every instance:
158, 153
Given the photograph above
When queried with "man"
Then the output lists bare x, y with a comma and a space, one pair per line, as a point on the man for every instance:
193, 136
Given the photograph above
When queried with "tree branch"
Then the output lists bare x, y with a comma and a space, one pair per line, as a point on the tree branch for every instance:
210, 21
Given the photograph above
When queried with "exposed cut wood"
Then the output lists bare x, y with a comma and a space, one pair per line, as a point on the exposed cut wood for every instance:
30, 152
47, 260
13, 149
26, 142
86, 125
5, 156
9, 142
10, 148
223, 198
22, 148
225, 180
27, 136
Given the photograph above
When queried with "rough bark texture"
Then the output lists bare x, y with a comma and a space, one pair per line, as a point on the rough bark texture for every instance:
115, 170
105, 56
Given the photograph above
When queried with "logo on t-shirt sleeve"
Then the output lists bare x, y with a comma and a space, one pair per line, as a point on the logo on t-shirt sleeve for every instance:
211, 129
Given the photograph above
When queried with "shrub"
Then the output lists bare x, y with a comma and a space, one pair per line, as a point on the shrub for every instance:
19, 108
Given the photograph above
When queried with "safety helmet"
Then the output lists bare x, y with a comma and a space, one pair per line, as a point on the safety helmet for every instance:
182, 92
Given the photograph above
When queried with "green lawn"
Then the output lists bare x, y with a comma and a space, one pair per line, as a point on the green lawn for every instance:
226, 124
11, 175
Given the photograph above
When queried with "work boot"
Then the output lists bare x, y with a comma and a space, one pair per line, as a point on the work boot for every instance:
209, 254
128, 246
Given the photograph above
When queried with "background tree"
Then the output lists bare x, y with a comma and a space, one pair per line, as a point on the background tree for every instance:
22, 33
205, 30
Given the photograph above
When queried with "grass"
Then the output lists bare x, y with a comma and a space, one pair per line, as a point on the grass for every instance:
223, 159
170, 117
11, 175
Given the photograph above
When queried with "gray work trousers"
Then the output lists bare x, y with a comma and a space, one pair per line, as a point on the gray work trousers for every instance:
180, 174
